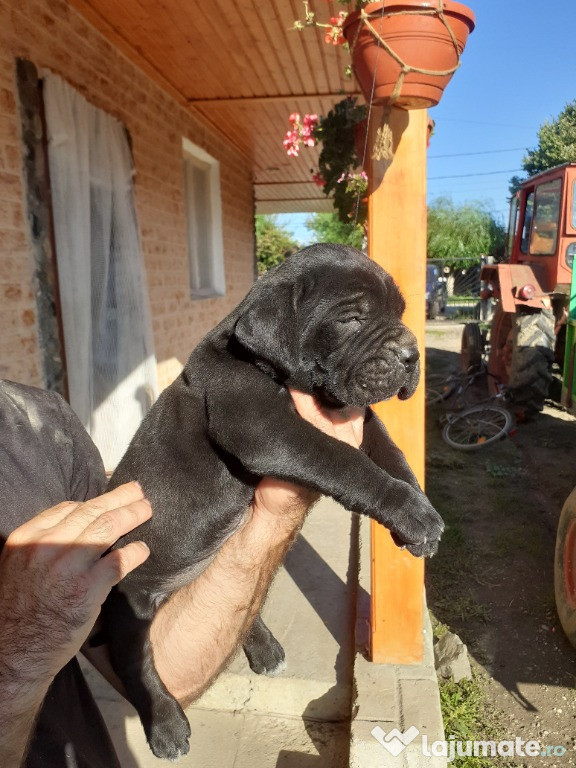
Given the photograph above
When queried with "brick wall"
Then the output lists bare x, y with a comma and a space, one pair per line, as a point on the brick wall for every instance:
54, 35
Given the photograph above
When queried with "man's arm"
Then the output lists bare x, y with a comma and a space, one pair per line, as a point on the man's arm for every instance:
54, 579
195, 633
197, 630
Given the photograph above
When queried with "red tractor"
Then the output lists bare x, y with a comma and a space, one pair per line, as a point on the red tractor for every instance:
534, 329
527, 333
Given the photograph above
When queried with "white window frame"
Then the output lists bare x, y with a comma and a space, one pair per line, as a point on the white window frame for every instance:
207, 277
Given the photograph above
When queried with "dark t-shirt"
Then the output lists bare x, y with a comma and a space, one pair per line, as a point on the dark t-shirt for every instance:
47, 457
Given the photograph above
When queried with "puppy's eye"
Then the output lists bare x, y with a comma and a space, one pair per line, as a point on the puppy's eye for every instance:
353, 321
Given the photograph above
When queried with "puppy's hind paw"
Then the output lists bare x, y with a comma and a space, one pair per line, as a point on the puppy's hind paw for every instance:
169, 739
266, 658
277, 670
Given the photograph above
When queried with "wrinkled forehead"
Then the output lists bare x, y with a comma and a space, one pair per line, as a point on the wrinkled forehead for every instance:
368, 286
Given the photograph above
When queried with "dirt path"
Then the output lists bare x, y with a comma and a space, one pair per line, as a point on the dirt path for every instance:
492, 582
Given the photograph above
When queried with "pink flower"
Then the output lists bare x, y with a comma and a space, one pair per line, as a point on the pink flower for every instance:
291, 144
318, 180
301, 133
334, 32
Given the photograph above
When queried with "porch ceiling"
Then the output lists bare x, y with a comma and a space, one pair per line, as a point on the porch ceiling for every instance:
241, 65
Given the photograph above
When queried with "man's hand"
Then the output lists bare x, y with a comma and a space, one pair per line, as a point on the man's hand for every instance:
275, 497
54, 578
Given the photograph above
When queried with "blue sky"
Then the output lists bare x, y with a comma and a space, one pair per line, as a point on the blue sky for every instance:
518, 70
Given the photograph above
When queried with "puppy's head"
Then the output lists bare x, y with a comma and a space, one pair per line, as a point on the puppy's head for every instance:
329, 321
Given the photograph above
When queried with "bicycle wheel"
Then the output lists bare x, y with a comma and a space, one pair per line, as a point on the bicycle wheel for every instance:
477, 427
438, 388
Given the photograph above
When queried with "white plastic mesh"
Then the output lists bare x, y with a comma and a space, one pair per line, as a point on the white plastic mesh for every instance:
110, 358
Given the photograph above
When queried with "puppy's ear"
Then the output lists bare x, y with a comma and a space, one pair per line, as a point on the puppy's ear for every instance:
269, 328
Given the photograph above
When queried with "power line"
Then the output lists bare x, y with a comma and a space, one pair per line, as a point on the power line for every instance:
469, 175
487, 152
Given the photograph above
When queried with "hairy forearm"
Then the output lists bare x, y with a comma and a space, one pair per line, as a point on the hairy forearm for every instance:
20, 701
195, 633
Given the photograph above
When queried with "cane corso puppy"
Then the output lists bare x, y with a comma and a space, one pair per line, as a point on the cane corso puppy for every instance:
328, 322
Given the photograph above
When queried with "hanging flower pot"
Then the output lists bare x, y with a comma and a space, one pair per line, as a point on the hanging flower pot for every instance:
404, 52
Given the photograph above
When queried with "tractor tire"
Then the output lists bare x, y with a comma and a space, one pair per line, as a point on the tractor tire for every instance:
565, 568
471, 349
532, 357
434, 310
498, 367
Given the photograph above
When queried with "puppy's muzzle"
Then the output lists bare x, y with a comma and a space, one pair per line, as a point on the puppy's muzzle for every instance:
409, 356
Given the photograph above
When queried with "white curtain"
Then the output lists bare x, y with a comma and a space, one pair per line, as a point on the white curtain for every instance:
110, 359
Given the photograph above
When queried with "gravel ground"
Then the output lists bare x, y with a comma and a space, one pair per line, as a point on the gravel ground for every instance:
492, 581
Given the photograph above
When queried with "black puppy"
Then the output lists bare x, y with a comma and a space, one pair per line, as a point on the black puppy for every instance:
328, 322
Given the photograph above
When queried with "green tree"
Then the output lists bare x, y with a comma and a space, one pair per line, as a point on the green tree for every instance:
273, 243
327, 228
460, 234
556, 142
556, 145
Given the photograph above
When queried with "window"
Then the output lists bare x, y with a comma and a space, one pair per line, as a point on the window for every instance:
111, 367
204, 222
574, 205
513, 222
527, 223
546, 215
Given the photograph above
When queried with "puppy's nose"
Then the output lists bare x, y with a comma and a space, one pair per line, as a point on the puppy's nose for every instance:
408, 356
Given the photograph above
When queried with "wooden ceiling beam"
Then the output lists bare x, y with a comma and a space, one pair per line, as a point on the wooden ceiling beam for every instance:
268, 99
281, 183
291, 199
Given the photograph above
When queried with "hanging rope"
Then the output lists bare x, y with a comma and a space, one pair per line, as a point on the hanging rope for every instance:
383, 147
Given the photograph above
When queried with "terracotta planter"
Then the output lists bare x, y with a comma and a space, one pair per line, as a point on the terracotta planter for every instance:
419, 40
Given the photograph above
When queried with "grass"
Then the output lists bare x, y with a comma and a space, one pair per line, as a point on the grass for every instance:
467, 717
464, 608
451, 579
503, 471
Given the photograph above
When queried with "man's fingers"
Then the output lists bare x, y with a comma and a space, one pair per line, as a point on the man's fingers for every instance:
67, 528
346, 424
106, 529
45, 520
112, 568
119, 497
349, 426
309, 410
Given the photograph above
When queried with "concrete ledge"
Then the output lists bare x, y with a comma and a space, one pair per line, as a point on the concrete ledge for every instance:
391, 696
288, 697
318, 610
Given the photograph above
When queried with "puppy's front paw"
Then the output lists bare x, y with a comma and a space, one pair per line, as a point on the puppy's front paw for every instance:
418, 527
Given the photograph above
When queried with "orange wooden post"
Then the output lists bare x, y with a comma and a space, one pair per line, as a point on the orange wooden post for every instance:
397, 241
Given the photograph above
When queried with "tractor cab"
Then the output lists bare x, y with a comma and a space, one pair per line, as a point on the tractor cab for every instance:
528, 333
541, 242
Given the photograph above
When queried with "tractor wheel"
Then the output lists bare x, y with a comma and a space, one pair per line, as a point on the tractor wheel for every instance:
500, 350
471, 348
533, 342
565, 568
